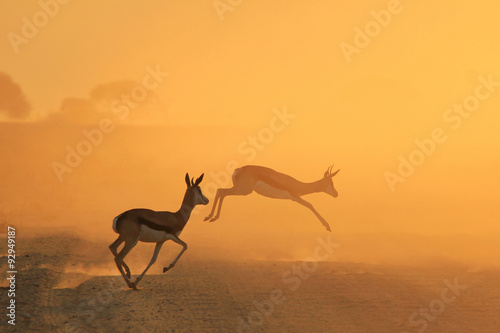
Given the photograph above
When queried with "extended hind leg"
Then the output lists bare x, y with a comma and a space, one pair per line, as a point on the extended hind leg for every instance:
114, 249
119, 261
214, 205
243, 189
242, 185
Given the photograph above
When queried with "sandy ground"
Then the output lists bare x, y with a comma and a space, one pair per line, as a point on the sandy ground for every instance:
66, 284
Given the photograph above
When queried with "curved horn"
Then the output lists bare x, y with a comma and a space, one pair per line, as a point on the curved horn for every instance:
328, 171
333, 174
198, 181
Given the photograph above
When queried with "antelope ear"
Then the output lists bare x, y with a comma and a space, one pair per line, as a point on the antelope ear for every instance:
187, 179
198, 181
333, 174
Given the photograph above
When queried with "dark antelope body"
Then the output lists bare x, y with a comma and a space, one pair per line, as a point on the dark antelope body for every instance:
150, 226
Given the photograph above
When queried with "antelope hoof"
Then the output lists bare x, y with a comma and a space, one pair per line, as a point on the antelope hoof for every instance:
133, 286
208, 218
166, 268
213, 219
328, 228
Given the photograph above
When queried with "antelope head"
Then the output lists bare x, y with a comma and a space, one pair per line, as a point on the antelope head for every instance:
329, 188
194, 191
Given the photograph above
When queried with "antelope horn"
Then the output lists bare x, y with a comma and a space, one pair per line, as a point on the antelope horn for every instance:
333, 174
198, 181
328, 171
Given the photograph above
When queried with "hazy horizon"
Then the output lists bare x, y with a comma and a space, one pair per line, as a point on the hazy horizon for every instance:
176, 87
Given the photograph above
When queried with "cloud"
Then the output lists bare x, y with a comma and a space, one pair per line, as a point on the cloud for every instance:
13, 103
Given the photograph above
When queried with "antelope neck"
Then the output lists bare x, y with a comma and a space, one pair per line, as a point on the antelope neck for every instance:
186, 208
313, 187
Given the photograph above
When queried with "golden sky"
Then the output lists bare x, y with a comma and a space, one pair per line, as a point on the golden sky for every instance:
359, 93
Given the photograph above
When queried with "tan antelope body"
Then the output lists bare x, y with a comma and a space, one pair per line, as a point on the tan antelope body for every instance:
146, 225
276, 185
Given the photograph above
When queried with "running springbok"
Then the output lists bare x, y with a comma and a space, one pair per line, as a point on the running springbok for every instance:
149, 226
273, 184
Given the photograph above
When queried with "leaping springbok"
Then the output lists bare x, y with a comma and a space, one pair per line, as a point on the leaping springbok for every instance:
273, 184
149, 226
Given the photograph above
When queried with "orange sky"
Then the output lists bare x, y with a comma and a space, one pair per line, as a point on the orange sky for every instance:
361, 112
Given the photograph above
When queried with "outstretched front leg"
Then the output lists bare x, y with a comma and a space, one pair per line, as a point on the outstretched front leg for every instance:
153, 259
310, 206
184, 248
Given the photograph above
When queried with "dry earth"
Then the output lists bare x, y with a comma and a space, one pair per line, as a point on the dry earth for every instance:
67, 284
